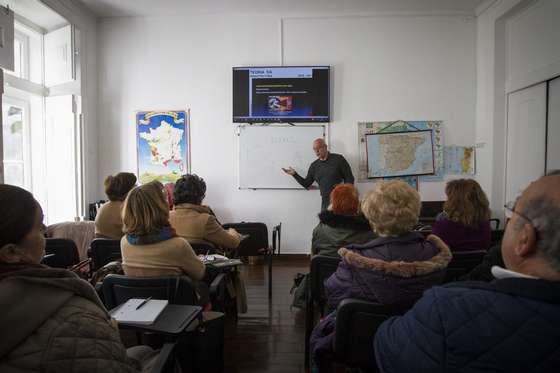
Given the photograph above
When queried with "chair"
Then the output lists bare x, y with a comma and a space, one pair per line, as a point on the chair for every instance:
321, 268
104, 251
203, 248
60, 253
166, 361
255, 244
429, 211
117, 289
356, 324
462, 263
496, 237
276, 237
496, 222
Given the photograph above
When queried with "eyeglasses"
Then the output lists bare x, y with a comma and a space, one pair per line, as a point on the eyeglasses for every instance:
510, 206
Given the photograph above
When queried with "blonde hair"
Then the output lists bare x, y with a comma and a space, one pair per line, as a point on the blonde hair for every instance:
466, 202
392, 208
145, 210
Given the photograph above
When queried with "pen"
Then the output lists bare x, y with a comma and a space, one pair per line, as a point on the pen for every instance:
143, 303
206, 256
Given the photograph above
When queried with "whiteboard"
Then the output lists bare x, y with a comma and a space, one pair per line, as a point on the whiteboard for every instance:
264, 150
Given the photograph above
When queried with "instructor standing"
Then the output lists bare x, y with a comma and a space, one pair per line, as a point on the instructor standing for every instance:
328, 170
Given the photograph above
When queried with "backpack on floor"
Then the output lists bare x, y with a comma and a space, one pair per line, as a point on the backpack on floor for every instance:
300, 291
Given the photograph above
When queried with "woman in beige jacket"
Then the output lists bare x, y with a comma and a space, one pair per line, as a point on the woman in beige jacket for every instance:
52, 321
108, 222
151, 247
195, 222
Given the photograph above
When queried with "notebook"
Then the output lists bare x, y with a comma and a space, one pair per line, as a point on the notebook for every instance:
145, 315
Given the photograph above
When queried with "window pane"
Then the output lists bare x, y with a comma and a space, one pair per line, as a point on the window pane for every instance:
18, 59
12, 132
13, 174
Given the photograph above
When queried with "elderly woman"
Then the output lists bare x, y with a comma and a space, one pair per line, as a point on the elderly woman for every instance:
194, 221
464, 223
52, 321
151, 247
393, 269
341, 224
108, 222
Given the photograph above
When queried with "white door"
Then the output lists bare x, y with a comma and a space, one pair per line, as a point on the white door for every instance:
553, 133
526, 139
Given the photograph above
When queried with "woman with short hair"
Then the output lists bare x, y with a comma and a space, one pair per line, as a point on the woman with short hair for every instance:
151, 247
52, 321
194, 221
393, 269
341, 223
465, 221
108, 222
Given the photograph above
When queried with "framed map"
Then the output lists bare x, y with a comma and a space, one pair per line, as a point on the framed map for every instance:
403, 153
460, 160
162, 145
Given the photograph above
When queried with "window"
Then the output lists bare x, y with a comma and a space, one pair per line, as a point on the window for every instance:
13, 133
21, 55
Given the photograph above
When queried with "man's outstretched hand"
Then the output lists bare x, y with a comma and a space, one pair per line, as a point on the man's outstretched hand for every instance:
290, 171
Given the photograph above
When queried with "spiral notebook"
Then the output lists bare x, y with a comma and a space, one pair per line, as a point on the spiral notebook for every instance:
145, 315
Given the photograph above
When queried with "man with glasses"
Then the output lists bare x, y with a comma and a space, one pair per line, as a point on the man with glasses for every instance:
511, 324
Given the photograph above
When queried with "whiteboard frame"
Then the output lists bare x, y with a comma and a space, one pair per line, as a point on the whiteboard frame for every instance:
238, 134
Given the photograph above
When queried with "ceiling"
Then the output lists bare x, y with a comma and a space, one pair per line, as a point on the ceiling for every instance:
123, 8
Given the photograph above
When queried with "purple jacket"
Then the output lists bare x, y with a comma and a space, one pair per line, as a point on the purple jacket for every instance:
460, 237
388, 270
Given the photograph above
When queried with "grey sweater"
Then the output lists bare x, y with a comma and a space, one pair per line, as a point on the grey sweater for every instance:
334, 170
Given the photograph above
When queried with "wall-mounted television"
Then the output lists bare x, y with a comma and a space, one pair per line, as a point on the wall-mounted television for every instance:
281, 94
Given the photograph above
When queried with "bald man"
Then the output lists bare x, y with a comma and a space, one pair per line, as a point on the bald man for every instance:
509, 325
328, 170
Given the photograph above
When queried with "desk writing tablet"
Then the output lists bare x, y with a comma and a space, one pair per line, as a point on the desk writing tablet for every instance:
173, 320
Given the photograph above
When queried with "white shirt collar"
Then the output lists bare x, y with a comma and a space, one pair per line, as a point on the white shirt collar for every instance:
501, 273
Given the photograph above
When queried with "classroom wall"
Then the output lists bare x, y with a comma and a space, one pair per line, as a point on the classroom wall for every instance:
385, 67
516, 46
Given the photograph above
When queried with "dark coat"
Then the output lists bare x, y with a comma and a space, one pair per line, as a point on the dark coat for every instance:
510, 325
388, 270
335, 231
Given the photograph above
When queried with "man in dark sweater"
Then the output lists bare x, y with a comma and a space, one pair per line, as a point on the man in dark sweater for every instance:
328, 170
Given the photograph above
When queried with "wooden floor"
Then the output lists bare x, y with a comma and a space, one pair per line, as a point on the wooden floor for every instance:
270, 336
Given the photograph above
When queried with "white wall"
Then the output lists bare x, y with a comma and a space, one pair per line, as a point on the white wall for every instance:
384, 68
516, 46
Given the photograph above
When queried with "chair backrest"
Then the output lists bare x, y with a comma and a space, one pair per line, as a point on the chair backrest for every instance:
104, 251
496, 223
356, 324
462, 263
277, 237
496, 236
117, 289
203, 248
429, 210
256, 243
322, 267
65, 253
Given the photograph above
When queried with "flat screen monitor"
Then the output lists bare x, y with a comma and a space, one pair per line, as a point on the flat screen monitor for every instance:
281, 94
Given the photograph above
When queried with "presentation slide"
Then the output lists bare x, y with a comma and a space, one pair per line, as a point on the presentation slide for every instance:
281, 94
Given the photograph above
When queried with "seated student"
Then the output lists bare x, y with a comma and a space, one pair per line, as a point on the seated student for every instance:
464, 223
509, 325
108, 222
340, 224
52, 321
151, 247
194, 221
395, 268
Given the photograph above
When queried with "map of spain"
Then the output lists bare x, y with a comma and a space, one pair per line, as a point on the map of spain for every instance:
165, 144
400, 154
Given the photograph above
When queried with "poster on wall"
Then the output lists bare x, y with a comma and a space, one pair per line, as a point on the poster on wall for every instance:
163, 146
367, 128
